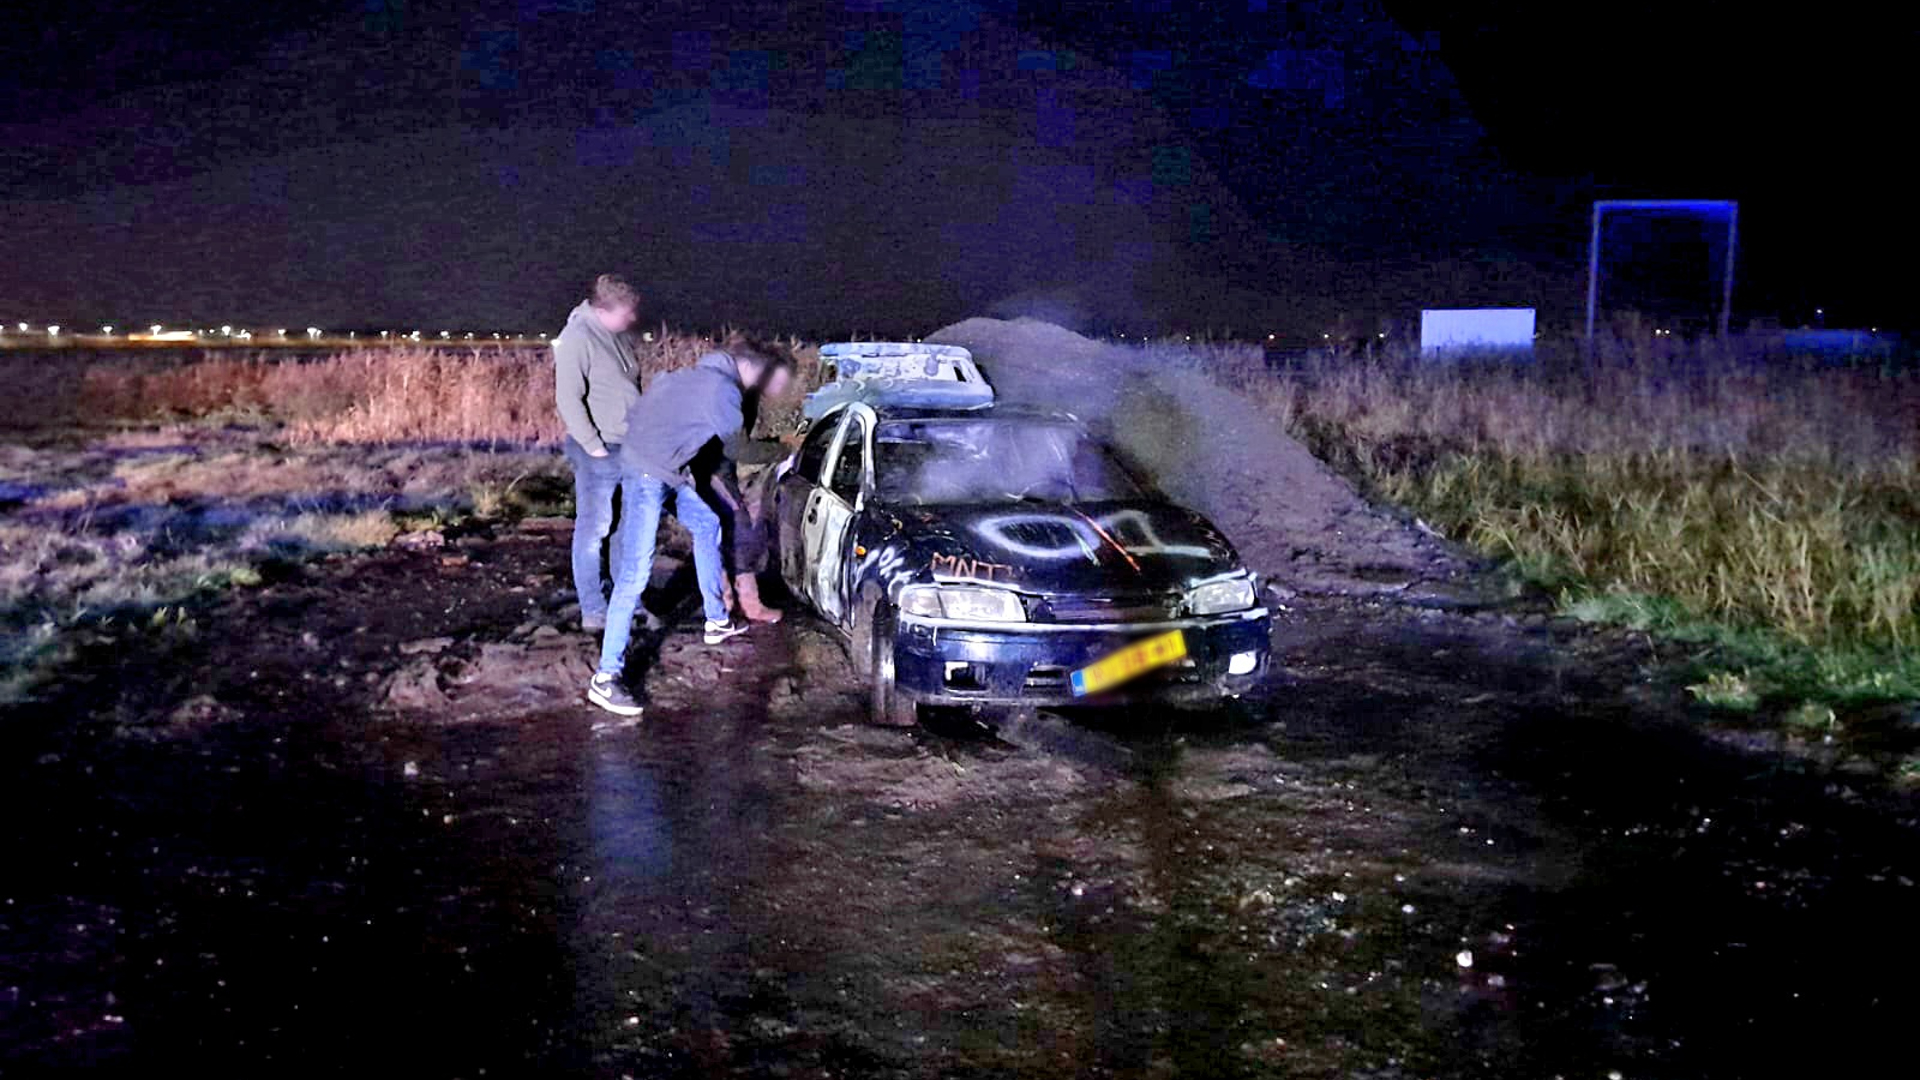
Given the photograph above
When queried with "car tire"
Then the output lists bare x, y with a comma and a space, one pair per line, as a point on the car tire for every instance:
889, 707
860, 647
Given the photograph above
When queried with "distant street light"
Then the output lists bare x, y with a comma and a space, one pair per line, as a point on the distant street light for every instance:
154, 329
53, 331
227, 330
107, 330
23, 328
313, 331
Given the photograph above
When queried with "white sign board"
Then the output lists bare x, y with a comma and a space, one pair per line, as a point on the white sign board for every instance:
1476, 329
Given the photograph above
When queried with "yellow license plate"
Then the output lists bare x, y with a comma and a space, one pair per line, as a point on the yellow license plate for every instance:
1136, 659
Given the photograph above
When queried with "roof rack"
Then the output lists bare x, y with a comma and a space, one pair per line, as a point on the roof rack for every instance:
898, 373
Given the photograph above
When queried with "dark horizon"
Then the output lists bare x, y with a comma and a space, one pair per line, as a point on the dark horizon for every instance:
898, 166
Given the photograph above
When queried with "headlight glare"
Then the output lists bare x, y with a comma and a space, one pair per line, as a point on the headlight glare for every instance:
982, 605
922, 601
1218, 597
962, 603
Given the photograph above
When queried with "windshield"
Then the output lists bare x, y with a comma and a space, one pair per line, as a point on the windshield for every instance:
929, 462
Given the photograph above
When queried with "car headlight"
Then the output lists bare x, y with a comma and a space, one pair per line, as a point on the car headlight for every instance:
1219, 597
968, 604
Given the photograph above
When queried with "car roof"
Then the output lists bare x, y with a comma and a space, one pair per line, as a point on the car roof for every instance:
1001, 411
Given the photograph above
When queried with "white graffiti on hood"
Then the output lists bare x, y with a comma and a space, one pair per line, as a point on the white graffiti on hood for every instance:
1130, 531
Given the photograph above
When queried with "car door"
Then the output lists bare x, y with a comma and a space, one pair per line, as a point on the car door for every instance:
829, 519
793, 500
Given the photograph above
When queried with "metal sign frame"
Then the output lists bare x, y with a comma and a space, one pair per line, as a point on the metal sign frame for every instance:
1706, 208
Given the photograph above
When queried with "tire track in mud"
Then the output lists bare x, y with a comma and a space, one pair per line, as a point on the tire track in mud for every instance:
749, 879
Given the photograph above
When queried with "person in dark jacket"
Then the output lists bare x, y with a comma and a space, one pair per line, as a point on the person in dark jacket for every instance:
596, 380
743, 522
666, 428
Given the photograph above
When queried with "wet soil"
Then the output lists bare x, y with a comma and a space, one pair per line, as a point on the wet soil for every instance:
360, 820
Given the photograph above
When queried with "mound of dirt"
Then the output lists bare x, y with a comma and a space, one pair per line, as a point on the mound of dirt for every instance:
1292, 518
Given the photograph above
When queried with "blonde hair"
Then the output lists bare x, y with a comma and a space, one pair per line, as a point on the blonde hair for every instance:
612, 291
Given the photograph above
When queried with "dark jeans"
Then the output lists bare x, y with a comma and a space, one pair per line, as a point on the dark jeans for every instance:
743, 539
594, 482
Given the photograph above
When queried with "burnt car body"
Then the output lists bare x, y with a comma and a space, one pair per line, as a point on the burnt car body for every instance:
991, 556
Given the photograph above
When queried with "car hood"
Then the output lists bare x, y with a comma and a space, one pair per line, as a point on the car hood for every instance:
1105, 548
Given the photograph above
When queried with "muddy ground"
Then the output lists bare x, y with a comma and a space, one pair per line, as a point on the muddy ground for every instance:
359, 819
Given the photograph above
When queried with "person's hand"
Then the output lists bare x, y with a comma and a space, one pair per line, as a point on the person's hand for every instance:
790, 439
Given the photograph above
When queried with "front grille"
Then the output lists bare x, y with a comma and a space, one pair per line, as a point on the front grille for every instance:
1075, 609
1046, 678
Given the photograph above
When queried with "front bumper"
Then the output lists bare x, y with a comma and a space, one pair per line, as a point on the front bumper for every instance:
938, 663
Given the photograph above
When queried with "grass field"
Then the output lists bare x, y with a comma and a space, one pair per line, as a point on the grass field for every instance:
1769, 511
198, 475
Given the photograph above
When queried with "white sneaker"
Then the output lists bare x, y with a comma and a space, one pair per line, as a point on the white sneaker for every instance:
718, 632
608, 692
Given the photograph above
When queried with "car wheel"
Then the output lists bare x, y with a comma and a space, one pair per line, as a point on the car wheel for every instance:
889, 706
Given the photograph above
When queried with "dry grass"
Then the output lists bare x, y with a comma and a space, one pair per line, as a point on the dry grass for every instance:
341, 532
144, 520
352, 442
74, 568
1776, 499
401, 394
341, 453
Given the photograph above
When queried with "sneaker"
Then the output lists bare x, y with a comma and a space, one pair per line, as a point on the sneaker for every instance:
593, 623
719, 631
608, 692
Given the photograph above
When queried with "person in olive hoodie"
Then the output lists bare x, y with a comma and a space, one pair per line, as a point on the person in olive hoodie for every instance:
678, 415
596, 381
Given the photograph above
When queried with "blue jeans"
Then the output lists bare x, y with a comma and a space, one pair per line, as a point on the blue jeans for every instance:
642, 498
594, 481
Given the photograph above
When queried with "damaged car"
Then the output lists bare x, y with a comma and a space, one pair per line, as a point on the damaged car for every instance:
986, 554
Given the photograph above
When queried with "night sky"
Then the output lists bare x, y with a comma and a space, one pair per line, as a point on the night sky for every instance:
887, 166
